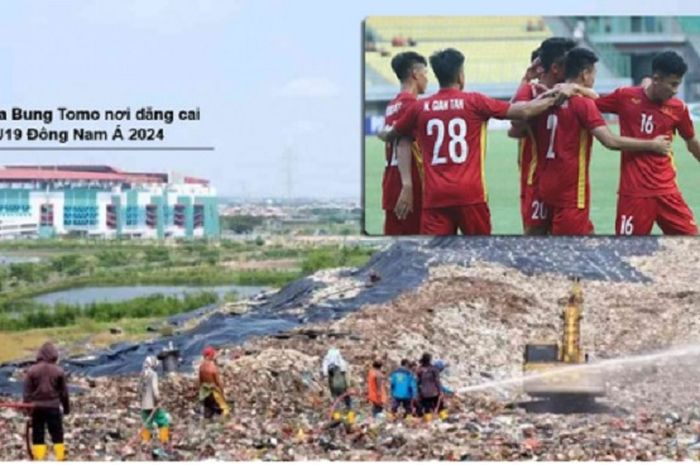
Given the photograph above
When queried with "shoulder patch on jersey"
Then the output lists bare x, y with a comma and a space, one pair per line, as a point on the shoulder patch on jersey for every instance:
636, 100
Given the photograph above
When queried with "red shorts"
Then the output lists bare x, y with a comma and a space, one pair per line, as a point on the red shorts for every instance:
396, 227
533, 211
636, 215
570, 221
473, 220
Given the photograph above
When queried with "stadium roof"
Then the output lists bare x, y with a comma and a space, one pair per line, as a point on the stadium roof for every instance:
94, 173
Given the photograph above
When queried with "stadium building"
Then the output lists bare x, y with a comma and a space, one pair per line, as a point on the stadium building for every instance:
101, 201
497, 50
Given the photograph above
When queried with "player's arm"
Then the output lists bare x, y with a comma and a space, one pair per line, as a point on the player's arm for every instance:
404, 204
570, 89
527, 110
659, 144
402, 126
590, 118
387, 133
517, 129
609, 103
693, 147
686, 129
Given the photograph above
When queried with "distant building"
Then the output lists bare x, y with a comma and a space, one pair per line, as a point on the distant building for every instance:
101, 201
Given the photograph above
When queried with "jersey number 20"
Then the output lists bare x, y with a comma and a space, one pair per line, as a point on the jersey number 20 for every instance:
457, 148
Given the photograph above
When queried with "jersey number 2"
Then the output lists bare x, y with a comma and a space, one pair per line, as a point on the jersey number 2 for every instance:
457, 148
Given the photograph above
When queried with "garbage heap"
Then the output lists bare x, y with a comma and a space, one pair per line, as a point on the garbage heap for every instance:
477, 319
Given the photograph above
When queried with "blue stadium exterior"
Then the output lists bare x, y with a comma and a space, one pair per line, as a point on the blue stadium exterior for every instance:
101, 201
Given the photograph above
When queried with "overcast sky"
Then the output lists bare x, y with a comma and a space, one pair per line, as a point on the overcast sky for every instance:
277, 82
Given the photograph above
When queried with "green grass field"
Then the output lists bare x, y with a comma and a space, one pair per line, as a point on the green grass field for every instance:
502, 183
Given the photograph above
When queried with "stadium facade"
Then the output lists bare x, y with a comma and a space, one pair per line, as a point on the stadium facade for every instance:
101, 201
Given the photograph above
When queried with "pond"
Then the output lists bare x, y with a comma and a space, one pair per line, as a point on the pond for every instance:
7, 259
87, 295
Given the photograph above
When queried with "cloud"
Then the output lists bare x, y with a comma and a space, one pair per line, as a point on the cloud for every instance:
309, 87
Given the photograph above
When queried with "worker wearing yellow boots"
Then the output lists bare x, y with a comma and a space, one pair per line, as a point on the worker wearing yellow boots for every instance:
152, 415
429, 387
211, 388
337, 371
46, 389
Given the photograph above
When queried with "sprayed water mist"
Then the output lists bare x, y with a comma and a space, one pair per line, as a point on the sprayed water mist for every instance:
613, 364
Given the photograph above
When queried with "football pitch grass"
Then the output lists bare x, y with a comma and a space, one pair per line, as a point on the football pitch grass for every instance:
502, 183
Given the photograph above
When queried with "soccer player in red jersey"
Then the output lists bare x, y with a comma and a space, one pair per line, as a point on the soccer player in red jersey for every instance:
411, 69
450, 127
550, 61
564, 137
648, 190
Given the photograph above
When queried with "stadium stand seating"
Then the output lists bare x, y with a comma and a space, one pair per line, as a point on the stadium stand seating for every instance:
441, 28
497, 48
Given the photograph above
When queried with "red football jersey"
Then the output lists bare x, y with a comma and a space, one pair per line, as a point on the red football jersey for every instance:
564, 151
527, 146
450, 127
391, 183
646, 174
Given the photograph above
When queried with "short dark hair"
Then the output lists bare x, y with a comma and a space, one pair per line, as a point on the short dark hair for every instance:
534, 54
446, 65
669, 62
403, 63
426, 359
553, 50
578, 59
405, 362
377, 364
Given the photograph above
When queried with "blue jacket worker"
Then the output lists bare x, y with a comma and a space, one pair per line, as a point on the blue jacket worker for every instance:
404, 388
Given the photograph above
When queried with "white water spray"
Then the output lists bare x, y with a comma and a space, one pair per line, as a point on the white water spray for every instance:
598, 366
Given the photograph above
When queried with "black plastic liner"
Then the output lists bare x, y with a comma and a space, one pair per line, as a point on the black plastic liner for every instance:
402, 266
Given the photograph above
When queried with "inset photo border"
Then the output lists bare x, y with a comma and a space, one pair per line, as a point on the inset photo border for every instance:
614, 153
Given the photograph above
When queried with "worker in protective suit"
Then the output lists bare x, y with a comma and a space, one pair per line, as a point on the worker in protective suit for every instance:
46, 389
152, 414
211, 388
336, 370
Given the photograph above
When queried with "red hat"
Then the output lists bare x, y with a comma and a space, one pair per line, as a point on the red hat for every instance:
209, 352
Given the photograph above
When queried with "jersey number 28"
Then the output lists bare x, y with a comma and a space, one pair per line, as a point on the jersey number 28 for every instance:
457, 148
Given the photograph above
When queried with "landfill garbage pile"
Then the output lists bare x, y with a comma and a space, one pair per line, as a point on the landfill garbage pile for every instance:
332, 294
476, 315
